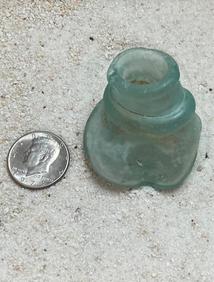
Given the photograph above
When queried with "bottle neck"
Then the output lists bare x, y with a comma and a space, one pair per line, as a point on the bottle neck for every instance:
152, 102
144, 93
145, 81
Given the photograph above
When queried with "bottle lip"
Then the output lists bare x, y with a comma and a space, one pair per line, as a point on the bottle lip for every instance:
171, 77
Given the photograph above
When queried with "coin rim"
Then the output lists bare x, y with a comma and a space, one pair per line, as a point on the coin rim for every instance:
37, 187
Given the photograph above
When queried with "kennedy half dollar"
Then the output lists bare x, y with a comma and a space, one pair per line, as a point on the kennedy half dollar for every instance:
38, 159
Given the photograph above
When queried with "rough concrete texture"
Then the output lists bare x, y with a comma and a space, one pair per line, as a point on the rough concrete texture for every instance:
53, 61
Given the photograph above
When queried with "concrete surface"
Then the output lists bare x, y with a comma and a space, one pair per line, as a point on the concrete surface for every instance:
51, 76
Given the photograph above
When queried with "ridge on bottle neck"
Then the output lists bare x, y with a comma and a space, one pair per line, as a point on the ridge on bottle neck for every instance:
145, 81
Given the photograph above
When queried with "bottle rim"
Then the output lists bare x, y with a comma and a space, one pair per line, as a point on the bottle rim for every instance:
171, 76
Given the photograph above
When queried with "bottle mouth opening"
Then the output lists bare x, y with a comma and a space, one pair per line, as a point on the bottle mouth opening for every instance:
145, 68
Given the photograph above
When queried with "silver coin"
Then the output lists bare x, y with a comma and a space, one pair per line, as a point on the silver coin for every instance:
38, 159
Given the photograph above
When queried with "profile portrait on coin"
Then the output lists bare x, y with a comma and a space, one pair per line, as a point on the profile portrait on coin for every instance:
41, 154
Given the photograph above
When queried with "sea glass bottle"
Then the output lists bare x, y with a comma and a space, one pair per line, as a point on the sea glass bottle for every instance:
145, 130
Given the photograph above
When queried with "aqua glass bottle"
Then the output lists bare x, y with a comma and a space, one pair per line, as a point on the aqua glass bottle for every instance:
145, 130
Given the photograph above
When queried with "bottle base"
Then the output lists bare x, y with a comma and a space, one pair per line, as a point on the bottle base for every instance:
130, 161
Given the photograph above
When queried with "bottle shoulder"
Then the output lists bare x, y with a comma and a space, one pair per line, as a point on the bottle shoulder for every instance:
180, 114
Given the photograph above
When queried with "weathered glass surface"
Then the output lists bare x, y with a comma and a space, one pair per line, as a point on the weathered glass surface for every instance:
145, 130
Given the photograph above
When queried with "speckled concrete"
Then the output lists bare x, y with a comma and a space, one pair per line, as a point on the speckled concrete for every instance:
53, 61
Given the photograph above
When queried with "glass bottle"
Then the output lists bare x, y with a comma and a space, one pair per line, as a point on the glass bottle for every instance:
145, 130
